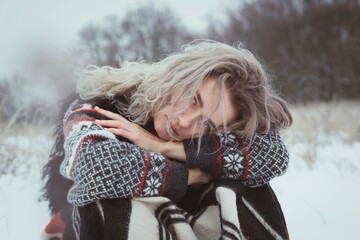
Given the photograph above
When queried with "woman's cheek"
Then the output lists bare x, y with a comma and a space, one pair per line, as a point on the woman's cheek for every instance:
160, 127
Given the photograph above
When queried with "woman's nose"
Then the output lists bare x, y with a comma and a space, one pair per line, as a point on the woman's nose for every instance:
188, 119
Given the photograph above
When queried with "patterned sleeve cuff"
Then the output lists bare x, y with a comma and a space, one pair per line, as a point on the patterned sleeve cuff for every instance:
207, 158
175, 180
269, 158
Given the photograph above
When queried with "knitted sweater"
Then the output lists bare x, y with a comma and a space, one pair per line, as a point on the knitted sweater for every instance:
103, 167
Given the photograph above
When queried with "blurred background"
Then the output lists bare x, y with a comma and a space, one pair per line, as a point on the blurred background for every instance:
311, 49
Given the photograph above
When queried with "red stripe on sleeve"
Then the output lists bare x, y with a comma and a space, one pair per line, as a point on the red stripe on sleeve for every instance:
76, 120
247, 158
85, 139
166, 172
219, 156
147, 164
79, 110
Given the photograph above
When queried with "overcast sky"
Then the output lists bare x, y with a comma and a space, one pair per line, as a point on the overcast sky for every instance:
28, 25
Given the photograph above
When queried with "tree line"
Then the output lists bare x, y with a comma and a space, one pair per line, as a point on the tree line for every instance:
311, 48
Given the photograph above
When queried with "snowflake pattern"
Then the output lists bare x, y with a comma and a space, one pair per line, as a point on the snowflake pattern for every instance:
152, 187
227, 138
233, 162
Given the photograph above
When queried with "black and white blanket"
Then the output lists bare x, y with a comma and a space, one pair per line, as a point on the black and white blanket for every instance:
121, 191
221, 210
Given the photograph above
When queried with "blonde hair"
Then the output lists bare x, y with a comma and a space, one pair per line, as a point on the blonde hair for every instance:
178, 77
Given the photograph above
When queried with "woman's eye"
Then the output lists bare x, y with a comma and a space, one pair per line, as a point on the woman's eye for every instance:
194, 101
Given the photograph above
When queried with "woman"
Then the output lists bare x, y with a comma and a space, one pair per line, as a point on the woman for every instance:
209, 106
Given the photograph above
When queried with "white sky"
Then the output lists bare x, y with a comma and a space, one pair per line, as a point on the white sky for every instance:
33, 24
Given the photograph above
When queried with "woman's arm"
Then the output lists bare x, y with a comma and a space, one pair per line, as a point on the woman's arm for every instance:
224, 155
229, 156
101, 166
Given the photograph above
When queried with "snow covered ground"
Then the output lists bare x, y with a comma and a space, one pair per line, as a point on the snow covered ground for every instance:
322, 202
22, 215
319, 194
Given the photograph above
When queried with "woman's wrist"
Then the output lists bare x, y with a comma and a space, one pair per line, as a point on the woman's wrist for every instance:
174, 150
198, 176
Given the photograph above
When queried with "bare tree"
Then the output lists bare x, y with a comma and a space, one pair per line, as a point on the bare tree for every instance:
100, 44
144, 34
18, 103
312, 46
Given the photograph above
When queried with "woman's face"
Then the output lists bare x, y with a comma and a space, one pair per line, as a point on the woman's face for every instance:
189, 123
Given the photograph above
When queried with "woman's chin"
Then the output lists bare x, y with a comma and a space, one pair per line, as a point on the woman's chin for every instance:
163, 135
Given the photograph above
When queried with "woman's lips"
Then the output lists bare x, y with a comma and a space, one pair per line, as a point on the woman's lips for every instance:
174, 130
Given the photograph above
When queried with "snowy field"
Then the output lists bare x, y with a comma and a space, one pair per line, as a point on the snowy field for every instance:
319, 194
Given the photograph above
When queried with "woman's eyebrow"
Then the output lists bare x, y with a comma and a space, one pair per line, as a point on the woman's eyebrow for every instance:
201, 104
198, 96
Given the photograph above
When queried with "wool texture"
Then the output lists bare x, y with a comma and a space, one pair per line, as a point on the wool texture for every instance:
121, 191
224, 210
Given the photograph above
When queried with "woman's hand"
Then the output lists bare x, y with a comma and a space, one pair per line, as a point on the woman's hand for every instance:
198, 176
122, 127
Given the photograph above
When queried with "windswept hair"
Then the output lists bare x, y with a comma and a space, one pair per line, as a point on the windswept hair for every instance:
151, 87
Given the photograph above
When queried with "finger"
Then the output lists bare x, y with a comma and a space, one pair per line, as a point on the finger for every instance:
112, 123
109, 114
121, 132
